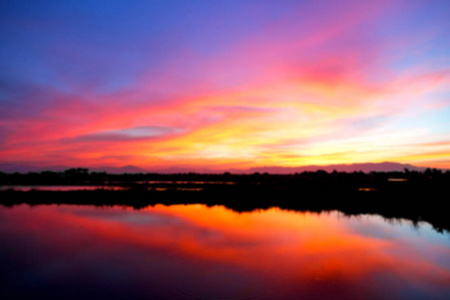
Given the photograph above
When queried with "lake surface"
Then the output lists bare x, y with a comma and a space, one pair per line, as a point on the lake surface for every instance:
60, 188
200, 252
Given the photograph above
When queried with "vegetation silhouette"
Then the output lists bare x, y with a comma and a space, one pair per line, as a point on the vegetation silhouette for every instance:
413, 195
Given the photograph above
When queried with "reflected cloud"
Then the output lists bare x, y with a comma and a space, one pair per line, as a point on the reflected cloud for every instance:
196, 248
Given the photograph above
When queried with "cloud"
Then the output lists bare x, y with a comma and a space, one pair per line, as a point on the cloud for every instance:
128, 134
243, 108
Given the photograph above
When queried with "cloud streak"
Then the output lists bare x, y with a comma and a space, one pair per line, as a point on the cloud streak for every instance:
128, 134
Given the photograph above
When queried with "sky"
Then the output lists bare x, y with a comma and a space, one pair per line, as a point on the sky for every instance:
224, 84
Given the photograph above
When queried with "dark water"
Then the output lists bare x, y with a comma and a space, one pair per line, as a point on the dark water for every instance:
67, 188
196, 252
61, 188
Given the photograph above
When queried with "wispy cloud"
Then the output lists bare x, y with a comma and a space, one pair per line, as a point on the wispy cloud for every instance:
128, 134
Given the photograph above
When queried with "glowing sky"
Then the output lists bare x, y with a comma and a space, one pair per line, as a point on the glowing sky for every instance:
224, 84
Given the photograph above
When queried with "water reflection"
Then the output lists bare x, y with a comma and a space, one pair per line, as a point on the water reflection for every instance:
60, 188
186, 182
196, 252
69, 188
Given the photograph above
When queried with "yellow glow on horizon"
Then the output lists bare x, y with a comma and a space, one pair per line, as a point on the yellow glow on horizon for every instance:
291, 122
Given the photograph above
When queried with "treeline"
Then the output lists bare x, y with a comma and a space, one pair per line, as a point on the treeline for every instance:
413, 195
82, 176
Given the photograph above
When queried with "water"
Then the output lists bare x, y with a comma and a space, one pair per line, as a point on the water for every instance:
199, 252
60, 188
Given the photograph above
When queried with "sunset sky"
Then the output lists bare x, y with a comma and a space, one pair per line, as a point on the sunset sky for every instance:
224, 84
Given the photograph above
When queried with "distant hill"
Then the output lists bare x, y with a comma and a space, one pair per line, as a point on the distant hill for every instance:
21, 168
119, 170
364, 167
